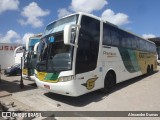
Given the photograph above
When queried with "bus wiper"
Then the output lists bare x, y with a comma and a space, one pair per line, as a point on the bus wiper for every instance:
55, 71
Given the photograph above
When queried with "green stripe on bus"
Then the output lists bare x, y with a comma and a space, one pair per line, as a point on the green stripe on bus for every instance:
129, 59
51, 76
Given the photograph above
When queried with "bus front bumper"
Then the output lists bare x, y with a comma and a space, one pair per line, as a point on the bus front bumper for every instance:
64, 88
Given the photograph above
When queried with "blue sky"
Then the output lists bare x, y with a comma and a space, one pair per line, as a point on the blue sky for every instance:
20, 19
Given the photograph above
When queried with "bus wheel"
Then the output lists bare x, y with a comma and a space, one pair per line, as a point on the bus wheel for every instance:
108, 82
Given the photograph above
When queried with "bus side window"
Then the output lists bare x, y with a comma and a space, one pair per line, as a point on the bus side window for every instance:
106, 35
115, 37
111, 35
88, 45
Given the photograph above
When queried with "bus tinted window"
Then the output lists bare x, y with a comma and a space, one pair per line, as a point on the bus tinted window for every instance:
114, 36
111, 35
135, 43
88, 45
106, 35
124, 40
130, 38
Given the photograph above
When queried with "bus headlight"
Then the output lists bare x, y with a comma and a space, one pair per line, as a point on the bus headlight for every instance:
66, 78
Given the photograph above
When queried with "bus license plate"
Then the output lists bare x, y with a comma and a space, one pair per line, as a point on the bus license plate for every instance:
47, 86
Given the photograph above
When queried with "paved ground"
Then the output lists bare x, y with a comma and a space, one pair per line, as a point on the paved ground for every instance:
139, 94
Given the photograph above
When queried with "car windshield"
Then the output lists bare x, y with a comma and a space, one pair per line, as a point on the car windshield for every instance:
15, 65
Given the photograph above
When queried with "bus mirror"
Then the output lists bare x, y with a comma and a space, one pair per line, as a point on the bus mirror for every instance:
70, 33
18, 48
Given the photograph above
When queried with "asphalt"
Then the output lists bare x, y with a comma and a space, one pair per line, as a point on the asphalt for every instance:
138, 94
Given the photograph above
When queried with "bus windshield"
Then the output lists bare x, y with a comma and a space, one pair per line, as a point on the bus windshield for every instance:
32, 42
59, 25
30, 60
53, 54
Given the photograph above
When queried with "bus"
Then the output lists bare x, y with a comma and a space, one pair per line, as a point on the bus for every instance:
81, 53
30, 57
157, 42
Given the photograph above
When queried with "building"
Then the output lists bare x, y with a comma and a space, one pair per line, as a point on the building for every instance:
7, 57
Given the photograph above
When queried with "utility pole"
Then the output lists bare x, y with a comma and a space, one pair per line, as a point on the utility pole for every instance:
21, 81
0, 73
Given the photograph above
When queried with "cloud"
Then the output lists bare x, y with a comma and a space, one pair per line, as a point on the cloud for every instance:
63, 12
8, 5
13, 37
33, 14
147, 36
118, 19
10, 37
87, 5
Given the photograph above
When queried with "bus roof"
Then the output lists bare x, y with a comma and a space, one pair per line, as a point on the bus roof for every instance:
78, 13
98, 18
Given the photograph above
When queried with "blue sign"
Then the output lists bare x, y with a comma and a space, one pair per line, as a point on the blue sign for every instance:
51, 39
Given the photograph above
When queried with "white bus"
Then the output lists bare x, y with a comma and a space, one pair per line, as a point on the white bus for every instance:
81, 53
30, 57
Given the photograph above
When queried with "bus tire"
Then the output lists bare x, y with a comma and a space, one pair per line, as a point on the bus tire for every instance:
109, 82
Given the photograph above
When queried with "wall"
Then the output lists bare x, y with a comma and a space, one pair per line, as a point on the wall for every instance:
7, 54
18, 57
